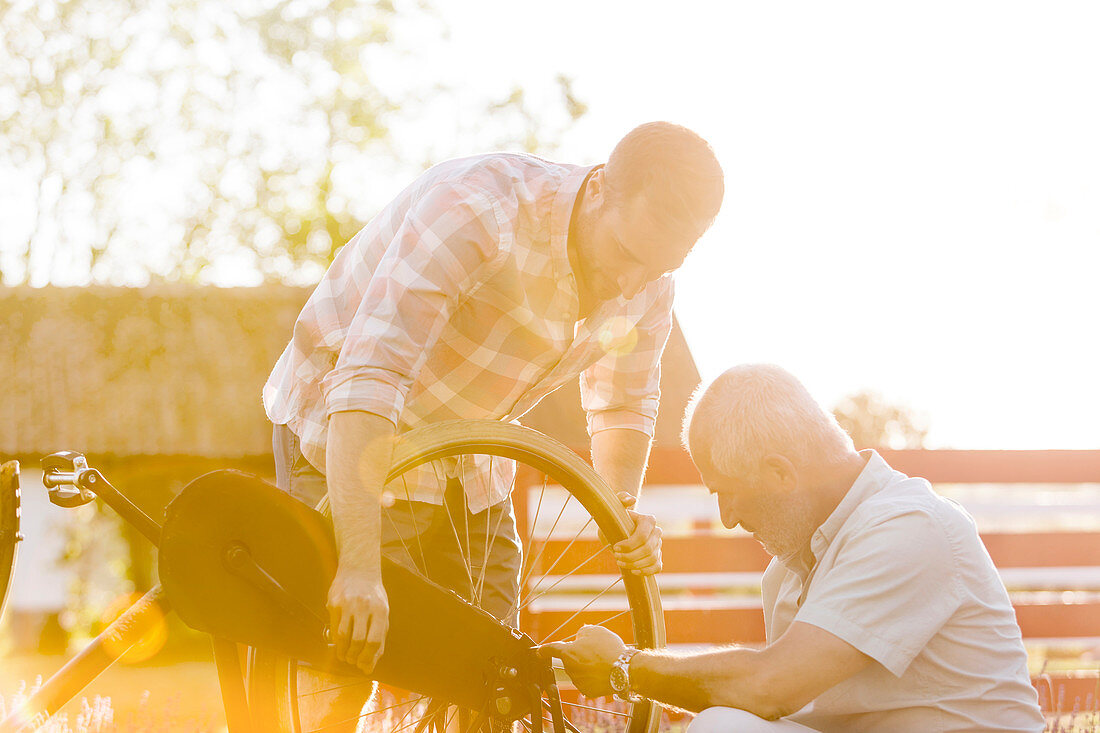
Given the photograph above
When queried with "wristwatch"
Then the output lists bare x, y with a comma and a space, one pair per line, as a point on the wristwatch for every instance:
620, 676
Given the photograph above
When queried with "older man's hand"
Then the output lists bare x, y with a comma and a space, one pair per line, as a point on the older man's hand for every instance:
588, 659
640, 553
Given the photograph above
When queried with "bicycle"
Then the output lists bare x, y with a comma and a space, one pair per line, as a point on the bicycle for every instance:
254, 573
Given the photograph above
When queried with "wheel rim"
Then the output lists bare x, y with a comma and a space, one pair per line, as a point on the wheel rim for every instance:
564, 581
9, 526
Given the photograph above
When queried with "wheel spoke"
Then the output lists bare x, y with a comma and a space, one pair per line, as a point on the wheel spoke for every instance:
564, 719
450, 714
411, 703
334, 688
545, 543
490, 539
433, 710
576, 537
361, 716
415, 703
519, 603
612, 617
335, 724
528, 532
458, 542
602, 593
590, 558
545, 573
533, 522
479, 719
404, 546
466, 550
416, 527
602, 711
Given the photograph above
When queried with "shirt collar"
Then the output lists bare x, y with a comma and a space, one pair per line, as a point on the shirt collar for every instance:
561, 214
875, 474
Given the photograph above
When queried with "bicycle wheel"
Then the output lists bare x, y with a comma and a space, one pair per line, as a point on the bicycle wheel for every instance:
568, 578
9, 526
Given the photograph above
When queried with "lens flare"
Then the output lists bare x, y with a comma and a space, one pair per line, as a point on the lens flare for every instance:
618, 336
145, 636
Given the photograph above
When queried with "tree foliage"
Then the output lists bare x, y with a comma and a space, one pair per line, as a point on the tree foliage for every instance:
874, 422
210, 141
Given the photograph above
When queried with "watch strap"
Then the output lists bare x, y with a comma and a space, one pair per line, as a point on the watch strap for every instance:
622, 664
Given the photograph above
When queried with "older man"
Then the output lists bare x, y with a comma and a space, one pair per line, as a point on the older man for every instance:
883, 611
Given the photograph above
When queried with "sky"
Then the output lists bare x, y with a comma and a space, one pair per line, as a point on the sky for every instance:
912, 189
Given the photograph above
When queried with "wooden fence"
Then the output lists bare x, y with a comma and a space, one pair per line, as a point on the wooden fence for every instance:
710, 582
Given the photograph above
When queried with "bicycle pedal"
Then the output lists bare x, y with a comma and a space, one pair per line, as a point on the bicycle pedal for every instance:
61, 475
65, 460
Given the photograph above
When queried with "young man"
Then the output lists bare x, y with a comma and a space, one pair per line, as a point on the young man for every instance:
882, 609
485, 285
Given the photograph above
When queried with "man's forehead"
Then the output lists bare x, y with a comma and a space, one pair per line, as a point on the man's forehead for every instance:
699, 449
701, 457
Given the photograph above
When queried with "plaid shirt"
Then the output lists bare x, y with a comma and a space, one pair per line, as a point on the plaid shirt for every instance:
458, 301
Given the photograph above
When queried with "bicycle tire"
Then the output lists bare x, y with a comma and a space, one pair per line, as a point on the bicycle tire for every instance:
9, 527
273, 678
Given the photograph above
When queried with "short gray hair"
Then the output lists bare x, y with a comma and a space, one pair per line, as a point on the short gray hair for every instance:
753, 410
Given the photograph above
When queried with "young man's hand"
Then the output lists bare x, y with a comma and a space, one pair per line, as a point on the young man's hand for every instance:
359, 613
588, 659
640, 553
357, 456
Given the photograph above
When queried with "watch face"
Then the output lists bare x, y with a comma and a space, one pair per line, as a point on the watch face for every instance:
618, 679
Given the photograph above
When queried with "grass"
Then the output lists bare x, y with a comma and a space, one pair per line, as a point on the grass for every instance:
184, 696
1074, 723
147, 698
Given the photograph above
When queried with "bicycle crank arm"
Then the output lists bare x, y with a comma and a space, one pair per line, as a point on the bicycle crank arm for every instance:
240, 562
72, 483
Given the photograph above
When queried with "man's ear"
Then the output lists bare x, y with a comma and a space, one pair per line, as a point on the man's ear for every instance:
595, 190
779, 471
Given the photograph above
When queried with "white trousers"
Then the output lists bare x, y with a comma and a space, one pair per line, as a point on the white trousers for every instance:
732, 720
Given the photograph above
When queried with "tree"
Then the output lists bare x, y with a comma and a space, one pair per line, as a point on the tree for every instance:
873, 422
209, 141
206, 141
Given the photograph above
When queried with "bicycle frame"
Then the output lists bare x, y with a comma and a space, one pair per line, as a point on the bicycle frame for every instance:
72, 483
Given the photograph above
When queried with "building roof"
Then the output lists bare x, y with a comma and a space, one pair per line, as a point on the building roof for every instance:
176, 370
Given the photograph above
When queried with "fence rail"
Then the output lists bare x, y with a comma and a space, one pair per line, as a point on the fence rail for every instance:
674, 466
710, 576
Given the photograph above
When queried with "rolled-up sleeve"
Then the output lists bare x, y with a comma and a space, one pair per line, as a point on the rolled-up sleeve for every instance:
452, 238
623, 388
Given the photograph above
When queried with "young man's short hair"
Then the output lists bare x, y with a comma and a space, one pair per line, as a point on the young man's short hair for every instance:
676, 171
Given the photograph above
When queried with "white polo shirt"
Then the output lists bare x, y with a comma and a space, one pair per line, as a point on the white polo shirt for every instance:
899, 573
